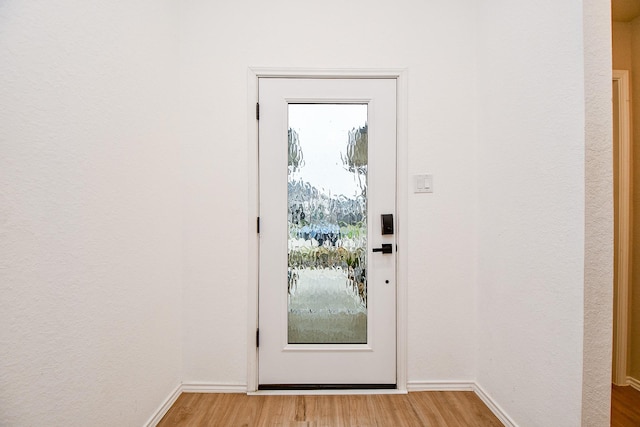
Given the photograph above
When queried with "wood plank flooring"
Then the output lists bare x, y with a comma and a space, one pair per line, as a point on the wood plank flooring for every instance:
441, 408
625, 406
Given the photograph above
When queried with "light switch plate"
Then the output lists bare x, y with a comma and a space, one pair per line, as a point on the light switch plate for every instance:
423, 183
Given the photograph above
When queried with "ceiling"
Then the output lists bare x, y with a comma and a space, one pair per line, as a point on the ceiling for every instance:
625, 10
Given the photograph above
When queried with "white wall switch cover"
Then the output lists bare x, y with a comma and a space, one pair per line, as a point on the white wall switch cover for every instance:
423, 184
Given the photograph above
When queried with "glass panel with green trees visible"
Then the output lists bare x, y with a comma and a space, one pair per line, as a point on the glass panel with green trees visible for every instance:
327, 223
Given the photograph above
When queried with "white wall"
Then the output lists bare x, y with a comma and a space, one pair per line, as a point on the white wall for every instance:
598, 257
531, 211
435, 41
96, 255
90, 219
496, 254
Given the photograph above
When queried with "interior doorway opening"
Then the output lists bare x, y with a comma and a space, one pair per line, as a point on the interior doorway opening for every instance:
626, 173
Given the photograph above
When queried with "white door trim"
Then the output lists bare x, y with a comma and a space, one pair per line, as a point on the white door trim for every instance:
624, 229
402, 191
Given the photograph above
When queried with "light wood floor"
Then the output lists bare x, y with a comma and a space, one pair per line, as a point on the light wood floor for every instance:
442, 408
625, 406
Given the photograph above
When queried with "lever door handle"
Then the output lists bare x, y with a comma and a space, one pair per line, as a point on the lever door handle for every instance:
387, 248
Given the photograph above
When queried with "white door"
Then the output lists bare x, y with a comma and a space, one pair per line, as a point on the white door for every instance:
327, 288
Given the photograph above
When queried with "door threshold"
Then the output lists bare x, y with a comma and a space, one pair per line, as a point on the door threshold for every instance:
326, 389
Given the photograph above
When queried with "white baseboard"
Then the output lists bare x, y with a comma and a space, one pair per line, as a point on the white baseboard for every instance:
213, 388
493, 406
440, 386
192, 388
164, 408
633, 383
464, 386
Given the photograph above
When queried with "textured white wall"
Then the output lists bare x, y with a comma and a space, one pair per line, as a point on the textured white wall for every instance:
90, 220
435, 42
95, 253
598, 257
509, 209
531, 209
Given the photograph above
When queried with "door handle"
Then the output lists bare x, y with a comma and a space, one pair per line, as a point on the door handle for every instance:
387, 248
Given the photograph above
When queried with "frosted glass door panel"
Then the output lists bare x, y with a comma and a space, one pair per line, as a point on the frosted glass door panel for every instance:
327, 223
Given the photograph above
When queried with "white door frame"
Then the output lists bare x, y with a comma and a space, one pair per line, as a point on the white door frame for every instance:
402, 192
624, 229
